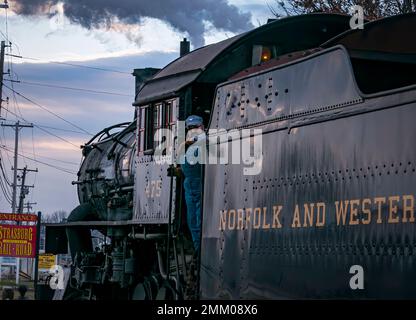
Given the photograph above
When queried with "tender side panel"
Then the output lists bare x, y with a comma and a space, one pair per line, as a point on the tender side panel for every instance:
337, 188
364, 163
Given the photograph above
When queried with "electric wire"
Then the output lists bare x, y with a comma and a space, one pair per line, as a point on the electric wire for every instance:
4, 36
42, 162
60, 129
7, 25
48, 85
4, 174
5, 190
11, 73
36, 172
49, 158
46, 109
73, 65
4, 143
5, 193
42, 129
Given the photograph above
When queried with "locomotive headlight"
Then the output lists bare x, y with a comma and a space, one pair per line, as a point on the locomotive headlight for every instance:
266, 54
263, 53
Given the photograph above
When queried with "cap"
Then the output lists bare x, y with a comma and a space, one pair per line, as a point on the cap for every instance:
193, 121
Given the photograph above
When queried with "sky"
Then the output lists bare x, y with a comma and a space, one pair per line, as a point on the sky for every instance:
137, 35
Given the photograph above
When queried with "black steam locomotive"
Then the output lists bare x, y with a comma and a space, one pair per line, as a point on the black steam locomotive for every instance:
331, 188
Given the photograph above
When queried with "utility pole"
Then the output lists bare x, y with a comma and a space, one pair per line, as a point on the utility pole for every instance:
23, 191
17, 126
29, 206
2, 52
24, 188
3, 46
2, 73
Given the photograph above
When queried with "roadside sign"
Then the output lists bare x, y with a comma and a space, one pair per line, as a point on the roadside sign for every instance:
46, 261
19, 238
17, 241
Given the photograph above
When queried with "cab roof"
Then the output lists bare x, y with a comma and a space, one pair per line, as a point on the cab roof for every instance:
207, 64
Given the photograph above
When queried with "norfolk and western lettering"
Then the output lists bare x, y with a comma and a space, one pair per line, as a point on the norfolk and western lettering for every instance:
393, 209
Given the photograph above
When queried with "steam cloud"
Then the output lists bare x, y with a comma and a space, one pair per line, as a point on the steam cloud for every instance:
183, 15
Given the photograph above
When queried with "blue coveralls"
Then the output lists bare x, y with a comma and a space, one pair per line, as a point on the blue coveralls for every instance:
193, 189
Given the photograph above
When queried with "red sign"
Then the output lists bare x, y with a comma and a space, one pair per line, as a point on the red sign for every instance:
18, 217
17, 241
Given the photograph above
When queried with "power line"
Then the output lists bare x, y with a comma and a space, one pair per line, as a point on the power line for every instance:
40, 128
71, 88
47, 110
1, 141
13, 199
4, 174
5, 192
7, 23
10, 42
6, 179
73, 65
16, 104
5, 186
11, 74
44, 157
6, 189
41, 162
36, 174
60, 129
2, 33
56, 136
49, 158
2, 52
53, 159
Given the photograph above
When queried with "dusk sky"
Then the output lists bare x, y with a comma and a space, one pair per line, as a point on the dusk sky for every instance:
137, 35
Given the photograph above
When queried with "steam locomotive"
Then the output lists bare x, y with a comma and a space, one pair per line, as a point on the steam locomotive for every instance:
331, 190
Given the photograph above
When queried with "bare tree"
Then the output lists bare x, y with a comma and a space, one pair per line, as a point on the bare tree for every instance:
55, 217
373, 9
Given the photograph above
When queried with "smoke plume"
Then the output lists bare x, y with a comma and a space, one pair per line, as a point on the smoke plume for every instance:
189, 16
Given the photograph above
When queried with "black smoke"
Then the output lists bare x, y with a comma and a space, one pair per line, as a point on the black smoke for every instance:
183, 15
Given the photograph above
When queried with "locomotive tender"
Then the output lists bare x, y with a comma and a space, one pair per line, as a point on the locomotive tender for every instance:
336, 186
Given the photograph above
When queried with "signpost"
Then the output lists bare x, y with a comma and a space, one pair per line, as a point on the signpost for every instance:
19, 237
39, 218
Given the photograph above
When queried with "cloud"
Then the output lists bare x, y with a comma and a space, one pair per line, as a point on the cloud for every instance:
54, 146
182, 15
